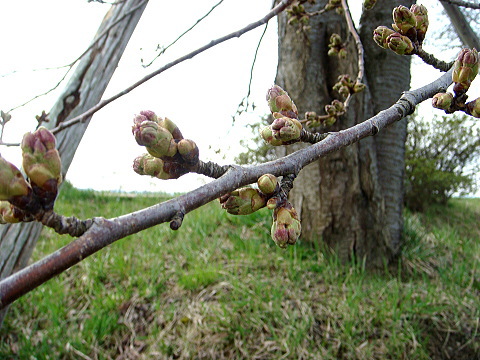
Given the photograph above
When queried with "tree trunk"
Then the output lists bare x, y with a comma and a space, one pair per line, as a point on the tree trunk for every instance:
462, 27
341, 198
83, 91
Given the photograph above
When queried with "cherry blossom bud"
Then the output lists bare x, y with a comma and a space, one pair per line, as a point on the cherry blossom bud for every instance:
172, 128
404, 20
158, 140
9, 214
243, 201
465, 69
442, 101
286, 227
358, 87
380, 35
12, 182
42, 164
267, 184
147, 164
474, 107
188, 150
369, 4
421, 20
400, 44
279, 101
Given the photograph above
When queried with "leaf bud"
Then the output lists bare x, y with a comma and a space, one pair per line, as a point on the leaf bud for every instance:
380, 35
286, 227
404, 20
369, 4
400, 44
158, 140
442, 100
465, 69
243, 201
42, 164
473, 107
12, 182
268, 184
188, 150
420, 13
279, 101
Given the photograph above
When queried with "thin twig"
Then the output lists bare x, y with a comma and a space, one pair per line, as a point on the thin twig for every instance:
82, 117
358, 41
432, 60
70, 66
182, 34
466, 4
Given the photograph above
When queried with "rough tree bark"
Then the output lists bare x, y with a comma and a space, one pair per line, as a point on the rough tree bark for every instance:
83, 91
352, 199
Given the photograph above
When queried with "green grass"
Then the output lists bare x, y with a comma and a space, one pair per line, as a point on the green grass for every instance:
219, 288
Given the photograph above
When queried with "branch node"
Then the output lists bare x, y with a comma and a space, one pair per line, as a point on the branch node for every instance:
177, 220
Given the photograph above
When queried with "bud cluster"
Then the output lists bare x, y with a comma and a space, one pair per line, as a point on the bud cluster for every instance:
297, 15
465, 69
409, 29
21, 198
337, 48
346, 86
369, 4
285, 128
334, 5
286, 226
169, 154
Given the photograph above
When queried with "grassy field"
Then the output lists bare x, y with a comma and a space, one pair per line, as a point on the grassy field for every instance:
218, 288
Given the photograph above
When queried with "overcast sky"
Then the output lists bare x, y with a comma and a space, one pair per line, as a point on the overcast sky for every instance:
200, 95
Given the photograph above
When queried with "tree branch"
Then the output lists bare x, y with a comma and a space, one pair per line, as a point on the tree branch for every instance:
274, 12
462, 3
104, 232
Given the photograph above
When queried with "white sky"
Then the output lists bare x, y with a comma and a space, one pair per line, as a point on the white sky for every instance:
199, 95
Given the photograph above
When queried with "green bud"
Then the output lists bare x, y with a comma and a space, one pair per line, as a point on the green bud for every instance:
404, 20
243, 201
172, 128
421, 20
400, 44
286, 227
358, 87
267, 134
147, 164
329, 121
287, 130
342, 53
12, 182
267, 184
369, 4
158, 140
442, 101
332, 52
279, 101
465, 69
474, 107
335, 40
188, 150
332, 4
41, 160
10, 214
380, 35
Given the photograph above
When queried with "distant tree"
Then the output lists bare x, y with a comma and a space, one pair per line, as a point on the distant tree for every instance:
441, 159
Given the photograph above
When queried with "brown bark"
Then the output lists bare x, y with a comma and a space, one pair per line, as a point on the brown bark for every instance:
83, 91
341, 198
